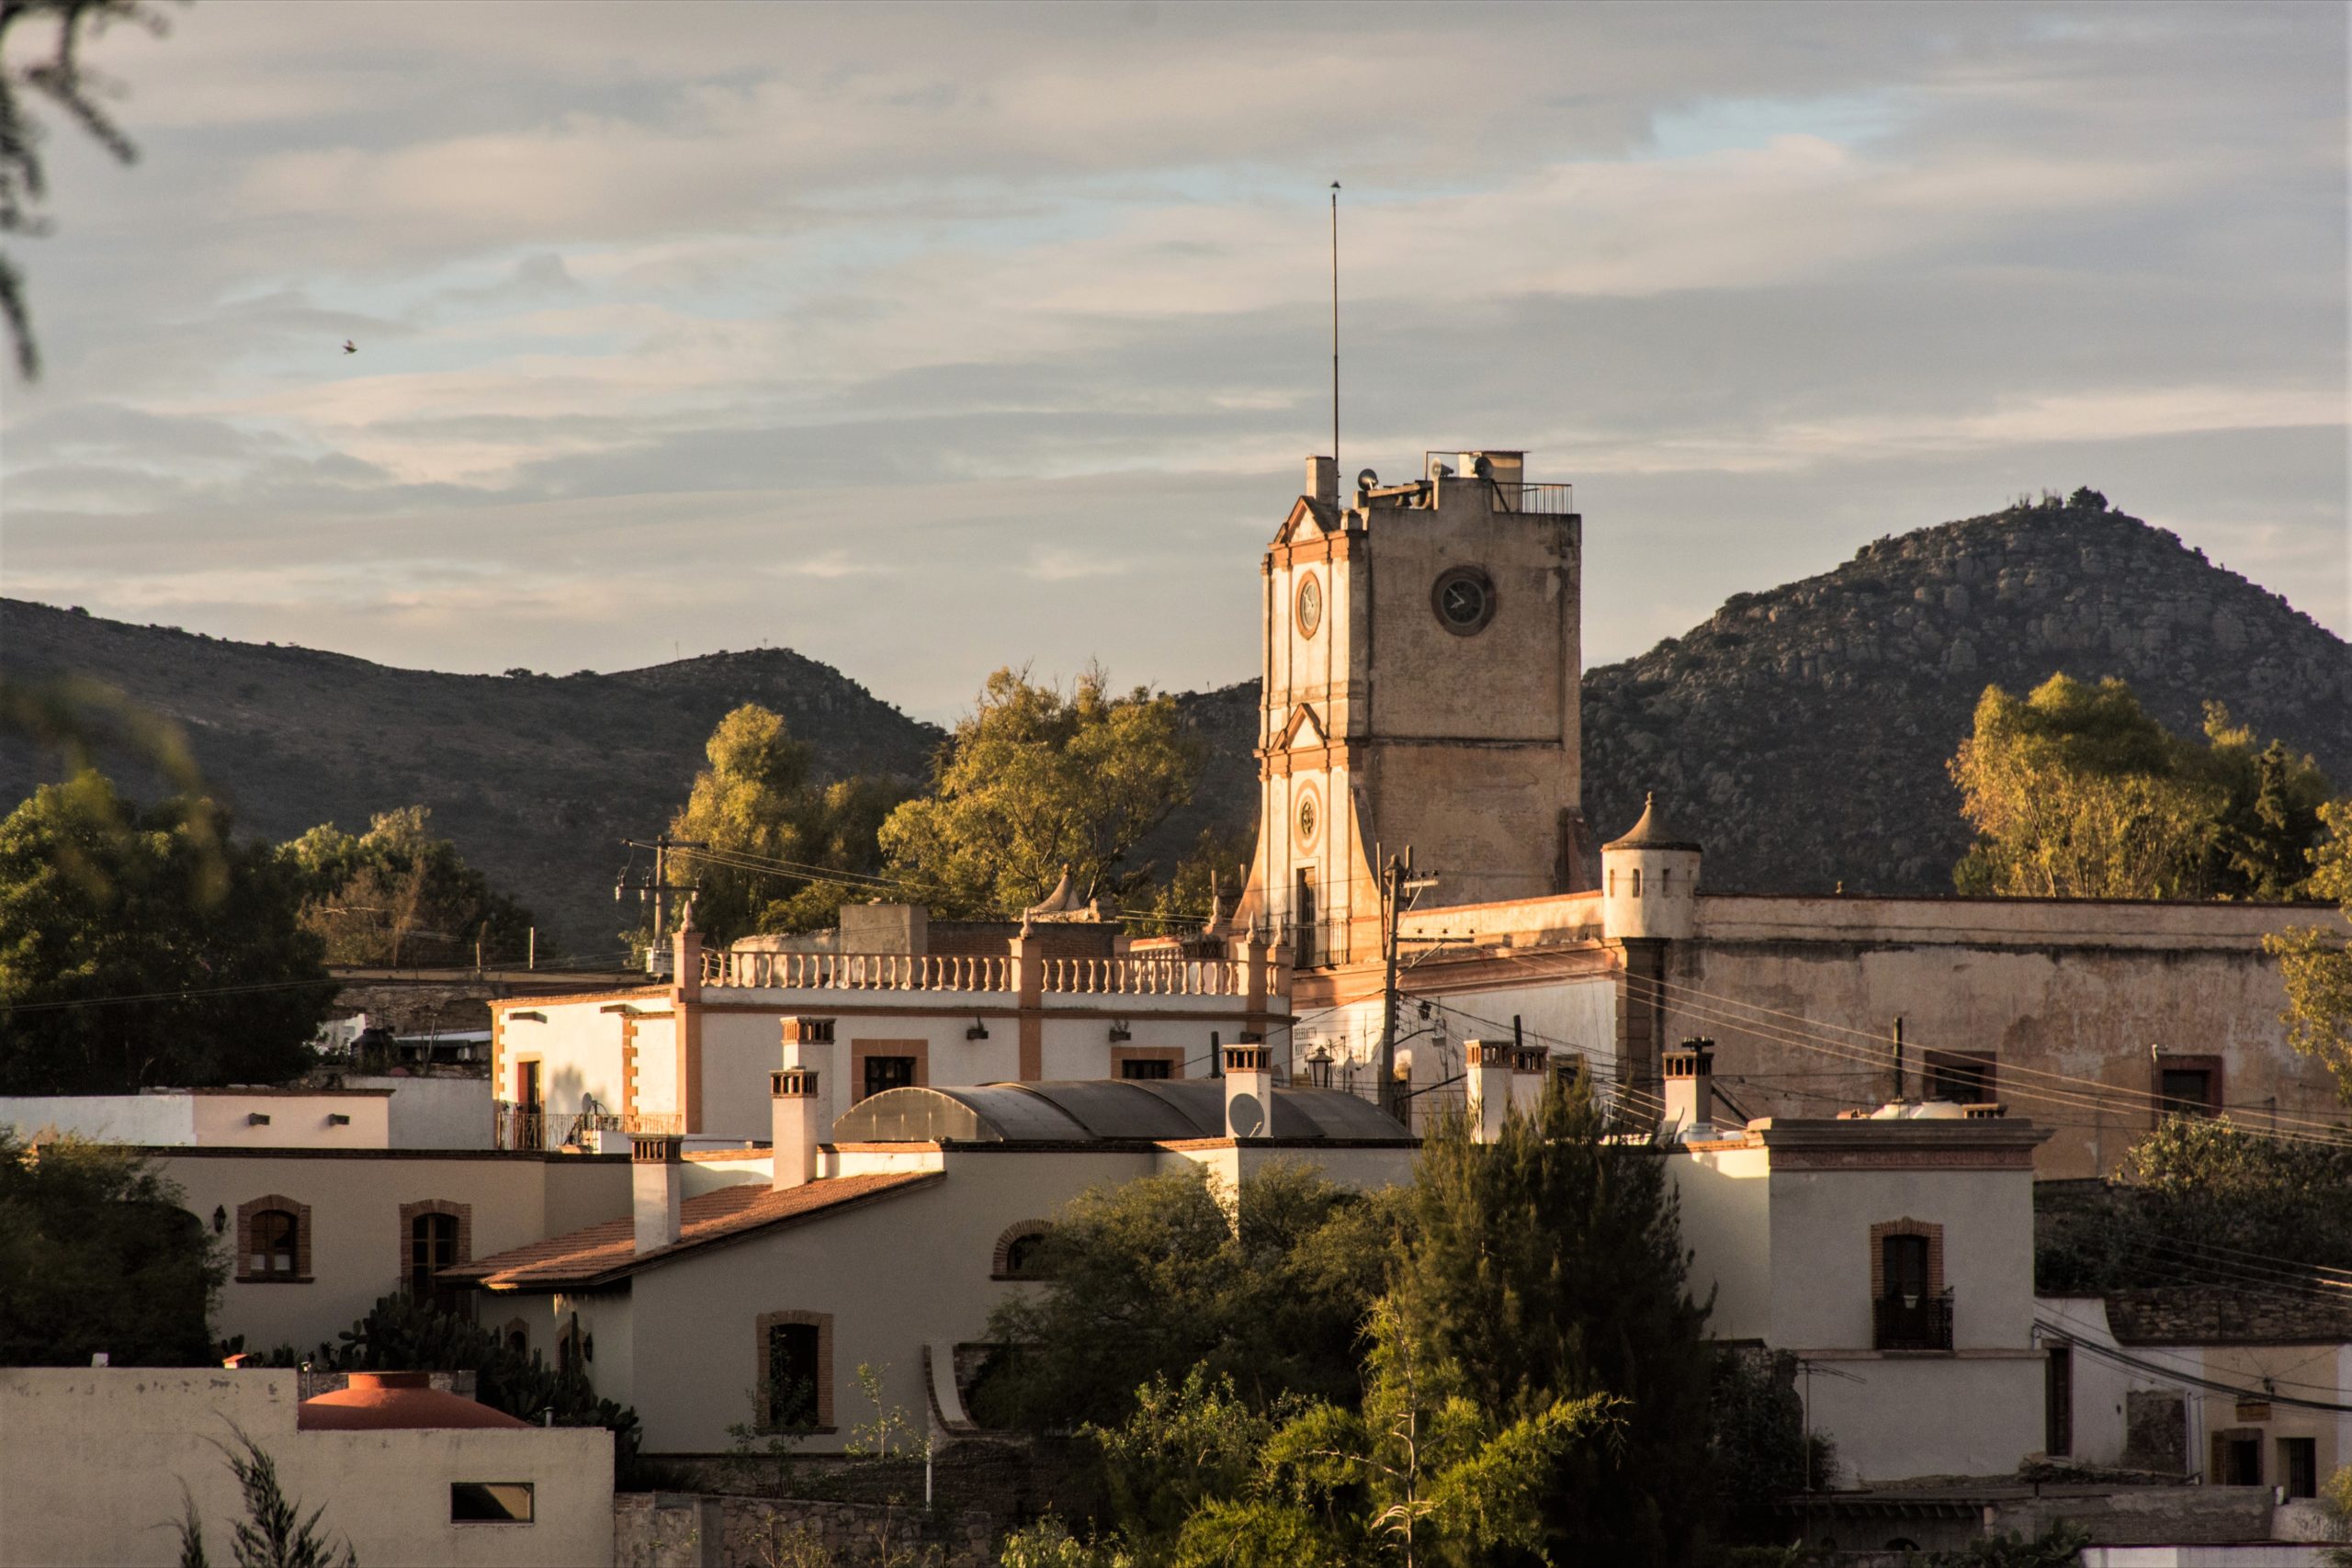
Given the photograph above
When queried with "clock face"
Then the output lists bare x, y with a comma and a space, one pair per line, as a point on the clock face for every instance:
1463, 598
1310, 604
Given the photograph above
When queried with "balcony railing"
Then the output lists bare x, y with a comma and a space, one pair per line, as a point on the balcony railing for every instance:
1123, 975
1917, 1321
1540, 500
527, 1127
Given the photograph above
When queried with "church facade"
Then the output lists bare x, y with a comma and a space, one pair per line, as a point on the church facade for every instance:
1421, 652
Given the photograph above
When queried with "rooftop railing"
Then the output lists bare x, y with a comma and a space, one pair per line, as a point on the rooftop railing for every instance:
1153, 974
1536, 500
529, 1127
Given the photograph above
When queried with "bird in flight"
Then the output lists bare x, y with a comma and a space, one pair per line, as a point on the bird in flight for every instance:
349, 346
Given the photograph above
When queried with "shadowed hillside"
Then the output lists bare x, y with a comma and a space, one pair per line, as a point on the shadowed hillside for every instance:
537, 778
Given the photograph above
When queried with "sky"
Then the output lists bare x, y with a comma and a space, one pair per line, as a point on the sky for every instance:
925, 341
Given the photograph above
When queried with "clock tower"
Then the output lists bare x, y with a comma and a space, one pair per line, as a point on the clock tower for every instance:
1423, 657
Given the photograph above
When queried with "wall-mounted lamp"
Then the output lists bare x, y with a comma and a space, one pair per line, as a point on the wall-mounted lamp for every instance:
526, 1017
220, 1219
1121, 1033
978, 1031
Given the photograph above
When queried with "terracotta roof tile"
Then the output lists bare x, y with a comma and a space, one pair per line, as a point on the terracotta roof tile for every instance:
607, 1252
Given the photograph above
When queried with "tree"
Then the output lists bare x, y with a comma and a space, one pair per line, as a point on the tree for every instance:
2195, 1188
398, 894
2315, 965
61, 77
1548, 1265
2075, 792
759, 801
274, 1533
1035, 781
1155, 1278
140, 948
96, 1254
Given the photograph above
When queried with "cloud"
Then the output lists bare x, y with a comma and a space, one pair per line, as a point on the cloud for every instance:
931, 339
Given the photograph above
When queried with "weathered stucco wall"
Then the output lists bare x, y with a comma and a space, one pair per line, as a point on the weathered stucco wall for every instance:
357, 1242
92, 1462
1801, 995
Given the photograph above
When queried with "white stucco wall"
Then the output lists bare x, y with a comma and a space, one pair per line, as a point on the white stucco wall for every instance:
1894, 1417
1821, 1223
436, 1112
1726, 1223
357, 1242
92, 1462
213, 1118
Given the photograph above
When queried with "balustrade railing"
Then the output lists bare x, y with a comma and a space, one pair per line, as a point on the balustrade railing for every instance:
1917, 1320
1124, 975
529, 1127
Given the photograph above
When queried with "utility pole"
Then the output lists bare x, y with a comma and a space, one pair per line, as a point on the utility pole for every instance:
1396, 879
1337, 490
659, 886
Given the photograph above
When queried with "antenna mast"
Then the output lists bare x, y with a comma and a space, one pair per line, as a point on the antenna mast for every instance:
1336, 486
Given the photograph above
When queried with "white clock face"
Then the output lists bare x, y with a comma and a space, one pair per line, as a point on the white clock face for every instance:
1310, 604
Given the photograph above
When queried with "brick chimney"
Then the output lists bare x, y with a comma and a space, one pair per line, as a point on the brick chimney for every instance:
1249, 1091
1487, 1067
657, 1171
1690, 1089
797, 1126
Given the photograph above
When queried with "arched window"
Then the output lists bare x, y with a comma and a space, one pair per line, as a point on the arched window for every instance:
435, 1234
276, 1242
1020, 1251
273, 1241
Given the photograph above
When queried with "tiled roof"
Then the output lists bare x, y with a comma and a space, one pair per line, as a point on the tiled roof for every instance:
601, 1254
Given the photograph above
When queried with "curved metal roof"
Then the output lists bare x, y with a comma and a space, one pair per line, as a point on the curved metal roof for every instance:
1100, 1111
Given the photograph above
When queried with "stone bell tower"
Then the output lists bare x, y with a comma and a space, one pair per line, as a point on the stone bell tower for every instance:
1422, 661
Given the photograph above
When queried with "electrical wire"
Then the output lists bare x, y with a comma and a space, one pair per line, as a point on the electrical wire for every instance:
2186, 1379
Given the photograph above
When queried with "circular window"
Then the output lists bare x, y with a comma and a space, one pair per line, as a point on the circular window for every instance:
1464, 599
1308, 820
1310, 604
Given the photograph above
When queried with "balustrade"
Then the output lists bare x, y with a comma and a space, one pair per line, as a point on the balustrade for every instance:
1124, 975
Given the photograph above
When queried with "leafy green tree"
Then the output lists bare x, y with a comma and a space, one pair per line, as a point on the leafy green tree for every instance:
1548, 1265
1762, 1453
1153, 1278
1218, 863
1035, 780
2076, 791
759, 801
96, 1254
2315, 965
2198, 1188
2060, 1546
398, 894
140, 948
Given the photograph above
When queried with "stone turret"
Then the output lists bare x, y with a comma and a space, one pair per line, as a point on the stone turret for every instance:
1649, 882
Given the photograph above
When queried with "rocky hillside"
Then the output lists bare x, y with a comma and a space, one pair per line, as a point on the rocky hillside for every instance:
537, 778
1801, 733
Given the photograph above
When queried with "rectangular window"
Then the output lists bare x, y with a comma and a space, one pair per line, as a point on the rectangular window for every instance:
2299, 1466
888, 1072
1966, 1077
2187, 1086
2237, 1459
1907, 1266
2058, 1402
490, 1501
791, 1376
1304, 914
1146, 1070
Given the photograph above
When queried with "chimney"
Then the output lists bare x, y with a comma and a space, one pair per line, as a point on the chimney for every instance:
1323, 480
657, 1169
798, 1126
1248, 1093
1528, 1065
1690, 1089
1489, 1067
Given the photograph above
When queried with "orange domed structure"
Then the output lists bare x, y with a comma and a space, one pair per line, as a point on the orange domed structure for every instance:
383, 1402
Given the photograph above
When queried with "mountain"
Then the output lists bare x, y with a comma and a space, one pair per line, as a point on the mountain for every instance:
1801, 734
537, 778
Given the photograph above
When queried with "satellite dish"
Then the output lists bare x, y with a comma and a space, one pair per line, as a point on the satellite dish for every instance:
1366, 479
